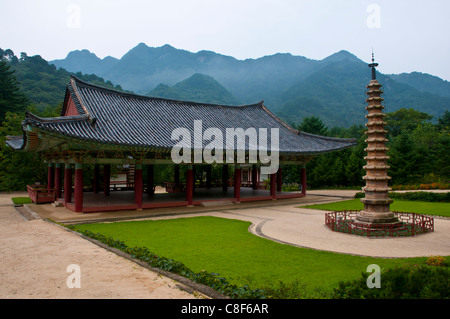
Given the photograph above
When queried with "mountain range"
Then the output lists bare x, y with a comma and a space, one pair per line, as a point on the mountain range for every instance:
291, 86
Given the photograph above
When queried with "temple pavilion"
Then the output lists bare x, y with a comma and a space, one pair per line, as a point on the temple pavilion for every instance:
121, 139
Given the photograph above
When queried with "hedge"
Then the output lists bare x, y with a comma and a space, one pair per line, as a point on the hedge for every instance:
413, 282
416, 196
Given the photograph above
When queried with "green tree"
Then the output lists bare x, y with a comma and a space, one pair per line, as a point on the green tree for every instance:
11, 98
355, 162
17, 169
313, 125
404, 121
444, 121
403, 160
442, 155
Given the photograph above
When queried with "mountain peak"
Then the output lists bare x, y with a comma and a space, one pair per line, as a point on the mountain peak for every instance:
80, 53
198, 87
341, 56
141, 45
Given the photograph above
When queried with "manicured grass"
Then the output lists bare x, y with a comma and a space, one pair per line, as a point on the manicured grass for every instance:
225, 246
21, 200
426, 208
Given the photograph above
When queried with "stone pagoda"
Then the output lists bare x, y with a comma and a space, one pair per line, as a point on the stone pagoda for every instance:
376, 202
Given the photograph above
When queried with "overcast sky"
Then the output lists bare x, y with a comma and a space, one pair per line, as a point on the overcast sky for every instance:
407, 35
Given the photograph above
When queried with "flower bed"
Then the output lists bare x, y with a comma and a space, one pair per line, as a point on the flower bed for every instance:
436, 185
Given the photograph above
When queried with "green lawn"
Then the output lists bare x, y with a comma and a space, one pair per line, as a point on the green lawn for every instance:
426, 208
21, 200
225, 246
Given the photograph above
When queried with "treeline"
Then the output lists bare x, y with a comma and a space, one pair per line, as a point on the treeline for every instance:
419, 151
41, 84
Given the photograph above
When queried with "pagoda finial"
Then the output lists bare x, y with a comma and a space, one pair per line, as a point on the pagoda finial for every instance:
373, 65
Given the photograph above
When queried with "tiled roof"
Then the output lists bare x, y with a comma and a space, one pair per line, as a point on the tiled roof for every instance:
117, 118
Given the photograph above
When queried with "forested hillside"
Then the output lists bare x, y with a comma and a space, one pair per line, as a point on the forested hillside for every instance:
292, 87
41, 83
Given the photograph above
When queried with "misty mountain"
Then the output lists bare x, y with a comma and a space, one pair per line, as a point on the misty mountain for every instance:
336, 94
291, 86
143, 68
424, 82
85, 62
199, 88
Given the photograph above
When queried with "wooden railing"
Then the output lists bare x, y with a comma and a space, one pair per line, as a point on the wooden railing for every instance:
172, 187
411, 224
41, 194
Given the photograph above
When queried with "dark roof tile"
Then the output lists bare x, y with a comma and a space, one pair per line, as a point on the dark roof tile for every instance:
114, 117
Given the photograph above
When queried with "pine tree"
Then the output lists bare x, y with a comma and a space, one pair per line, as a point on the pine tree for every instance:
17, 169
11, 99
313, 125
403, 160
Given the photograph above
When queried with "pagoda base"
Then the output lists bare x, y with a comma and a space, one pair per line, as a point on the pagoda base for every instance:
386, 218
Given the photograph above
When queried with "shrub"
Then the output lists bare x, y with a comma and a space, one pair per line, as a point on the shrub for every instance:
416, 196
291, 187
413, 282
422, 196
436, 261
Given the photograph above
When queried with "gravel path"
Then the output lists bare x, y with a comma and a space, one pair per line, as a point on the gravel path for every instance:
35, 256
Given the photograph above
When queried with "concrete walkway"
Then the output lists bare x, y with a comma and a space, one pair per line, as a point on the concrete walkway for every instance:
35, 256
286, 222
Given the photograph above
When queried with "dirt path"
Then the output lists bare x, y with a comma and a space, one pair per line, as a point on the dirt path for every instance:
35, 255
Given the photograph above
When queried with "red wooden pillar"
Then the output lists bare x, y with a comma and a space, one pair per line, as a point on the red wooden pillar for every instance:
138, 186
237, 183
95, 182
303, 173
50, 177
208, 177
279, 180
67, 183
254, 176
78, 192
225, 178
106, 178
58, 180
273, 186
150, 183
176, 174
189, 185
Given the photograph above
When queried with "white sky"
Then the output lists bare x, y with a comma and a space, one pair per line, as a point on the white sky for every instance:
407, 35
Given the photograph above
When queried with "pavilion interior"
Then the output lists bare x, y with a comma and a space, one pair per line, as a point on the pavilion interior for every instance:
208, 187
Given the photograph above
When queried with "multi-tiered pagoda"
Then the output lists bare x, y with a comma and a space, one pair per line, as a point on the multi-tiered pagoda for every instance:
376, 201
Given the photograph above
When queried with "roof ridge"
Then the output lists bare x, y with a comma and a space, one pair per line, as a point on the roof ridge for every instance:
330, 138
146, 97
31, 116
290, 128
